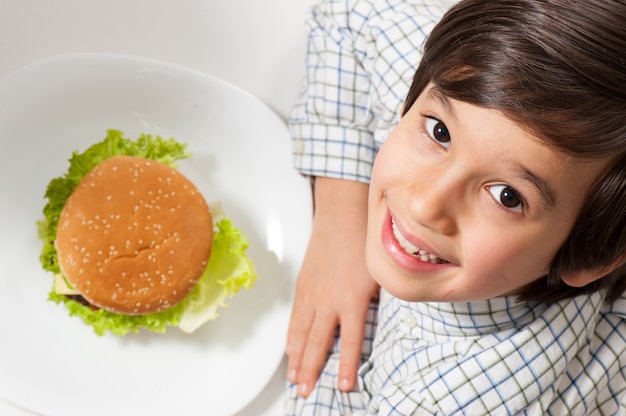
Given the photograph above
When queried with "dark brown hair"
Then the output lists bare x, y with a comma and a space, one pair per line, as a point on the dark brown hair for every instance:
558, 69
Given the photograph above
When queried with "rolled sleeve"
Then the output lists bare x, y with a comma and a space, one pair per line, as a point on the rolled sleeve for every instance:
332, 122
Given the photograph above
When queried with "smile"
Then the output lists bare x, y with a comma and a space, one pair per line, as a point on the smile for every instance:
415, 251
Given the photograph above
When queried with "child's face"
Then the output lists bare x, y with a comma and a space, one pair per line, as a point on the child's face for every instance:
488, 204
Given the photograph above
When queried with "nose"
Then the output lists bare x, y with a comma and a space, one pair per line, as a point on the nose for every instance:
436, 202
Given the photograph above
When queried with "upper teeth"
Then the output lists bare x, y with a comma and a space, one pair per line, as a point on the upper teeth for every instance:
423, 255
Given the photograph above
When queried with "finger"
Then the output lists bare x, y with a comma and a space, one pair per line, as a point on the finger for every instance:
351, 342
319, 342
297, 335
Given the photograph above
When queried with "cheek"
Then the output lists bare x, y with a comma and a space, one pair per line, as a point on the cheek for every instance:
508, 260
391, 161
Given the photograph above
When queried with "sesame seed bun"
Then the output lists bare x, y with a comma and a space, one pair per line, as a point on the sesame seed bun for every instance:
134, 237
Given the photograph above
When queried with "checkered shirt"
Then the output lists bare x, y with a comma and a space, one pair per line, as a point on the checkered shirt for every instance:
361, 58
494, 357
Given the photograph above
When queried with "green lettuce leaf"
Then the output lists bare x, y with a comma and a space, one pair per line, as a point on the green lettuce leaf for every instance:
228, 270
222, 279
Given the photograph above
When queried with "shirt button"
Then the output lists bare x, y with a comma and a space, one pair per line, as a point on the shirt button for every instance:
298, 146
408, 319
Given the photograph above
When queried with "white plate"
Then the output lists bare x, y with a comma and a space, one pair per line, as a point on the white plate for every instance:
55, 365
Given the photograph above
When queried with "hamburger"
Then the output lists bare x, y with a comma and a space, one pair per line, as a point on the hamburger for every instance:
133, 244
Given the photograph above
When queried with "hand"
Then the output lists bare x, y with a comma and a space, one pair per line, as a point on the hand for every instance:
333, 288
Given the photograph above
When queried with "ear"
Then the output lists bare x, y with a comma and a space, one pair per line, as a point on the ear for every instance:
584, 277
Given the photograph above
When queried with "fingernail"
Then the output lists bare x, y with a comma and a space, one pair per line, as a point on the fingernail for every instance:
292, 375
343, 384
302, 389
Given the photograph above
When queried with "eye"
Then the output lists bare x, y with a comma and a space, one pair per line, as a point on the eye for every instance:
507, 197
438, 131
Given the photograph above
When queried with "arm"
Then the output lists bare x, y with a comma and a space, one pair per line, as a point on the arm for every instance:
333, 142
334, 287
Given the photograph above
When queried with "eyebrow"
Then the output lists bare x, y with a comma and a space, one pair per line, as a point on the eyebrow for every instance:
540, 184
434, 93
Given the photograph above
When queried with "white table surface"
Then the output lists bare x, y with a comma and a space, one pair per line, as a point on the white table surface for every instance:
256, 45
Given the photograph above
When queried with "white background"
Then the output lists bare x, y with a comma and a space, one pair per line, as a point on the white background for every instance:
258, 45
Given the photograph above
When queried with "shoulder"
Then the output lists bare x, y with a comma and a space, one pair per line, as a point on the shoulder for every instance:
613, 320
358, 16
615, 311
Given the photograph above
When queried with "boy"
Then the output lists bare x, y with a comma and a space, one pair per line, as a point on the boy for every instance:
496, 222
